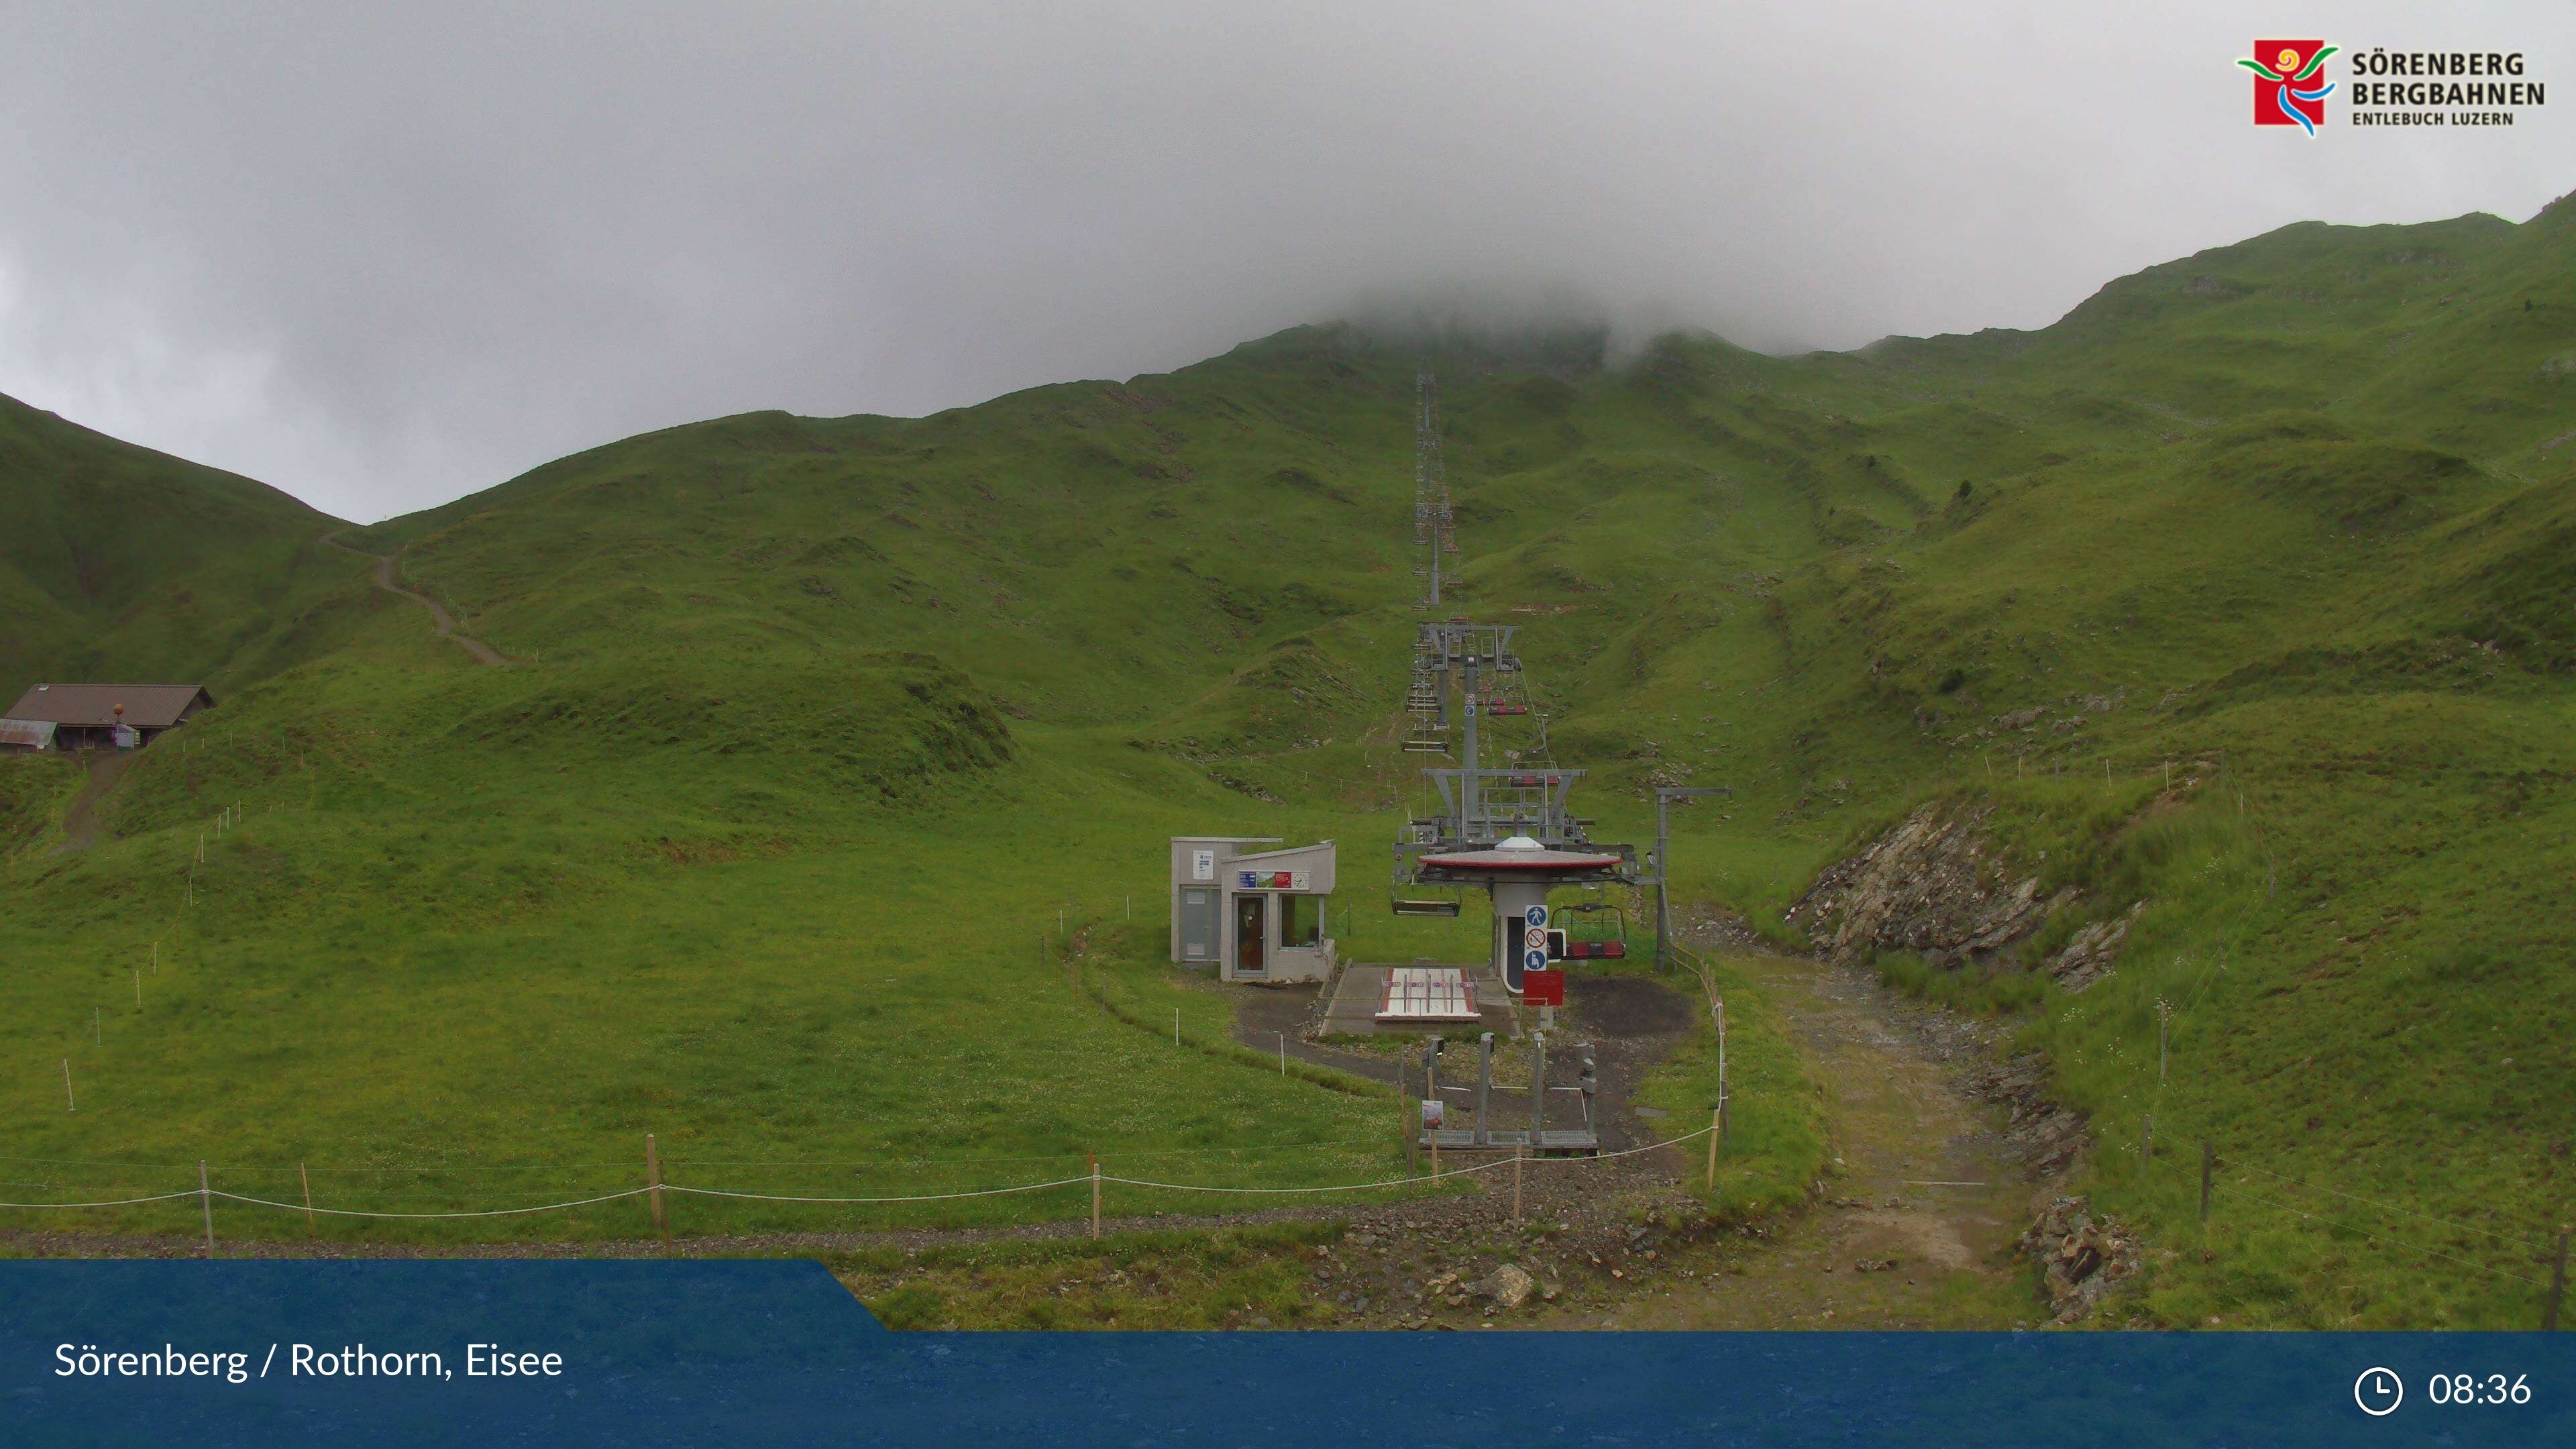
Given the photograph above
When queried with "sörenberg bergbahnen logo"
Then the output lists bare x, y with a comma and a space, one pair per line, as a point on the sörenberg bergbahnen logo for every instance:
2288, 91
2391, 88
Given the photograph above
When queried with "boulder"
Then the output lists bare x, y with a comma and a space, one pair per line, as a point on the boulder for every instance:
1507, 1286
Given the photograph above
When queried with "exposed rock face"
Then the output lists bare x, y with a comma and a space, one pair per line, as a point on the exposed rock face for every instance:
2088, 957
2044, 1137
2081, 1257
1931, 886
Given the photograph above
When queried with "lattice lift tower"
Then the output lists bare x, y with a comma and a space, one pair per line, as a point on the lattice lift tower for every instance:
1434, 529
1508, 829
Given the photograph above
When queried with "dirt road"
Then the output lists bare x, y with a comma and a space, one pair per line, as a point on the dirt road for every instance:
1917, 1226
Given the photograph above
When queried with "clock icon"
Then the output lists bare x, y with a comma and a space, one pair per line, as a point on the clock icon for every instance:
2378, 1392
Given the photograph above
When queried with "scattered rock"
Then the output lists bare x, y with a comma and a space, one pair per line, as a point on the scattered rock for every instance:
1507, 1286
2081, 1257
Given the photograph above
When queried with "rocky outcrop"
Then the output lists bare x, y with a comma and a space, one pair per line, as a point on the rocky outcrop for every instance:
2088, 956
2081, 1257
1933, 886
2043, 1136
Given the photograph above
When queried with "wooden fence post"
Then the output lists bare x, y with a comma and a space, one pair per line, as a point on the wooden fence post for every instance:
1518, 1153
305, 1178
1095, 1193
1721, 1076
2205, 1160
653, 1180
1716, 1115
206, 1200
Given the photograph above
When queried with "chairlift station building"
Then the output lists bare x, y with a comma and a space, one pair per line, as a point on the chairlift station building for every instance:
1253, 914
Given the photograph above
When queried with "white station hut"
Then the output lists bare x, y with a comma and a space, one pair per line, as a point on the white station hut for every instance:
1253, 914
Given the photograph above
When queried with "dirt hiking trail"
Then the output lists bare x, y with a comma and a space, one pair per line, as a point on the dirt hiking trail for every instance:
82, 826
438, 614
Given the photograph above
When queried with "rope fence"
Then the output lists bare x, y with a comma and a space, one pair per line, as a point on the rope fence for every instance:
1058, 947
1095, 1178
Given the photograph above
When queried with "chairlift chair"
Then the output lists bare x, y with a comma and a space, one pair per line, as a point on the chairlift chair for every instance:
1593, 944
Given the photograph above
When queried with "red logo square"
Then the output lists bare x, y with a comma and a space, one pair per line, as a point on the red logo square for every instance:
2289, 86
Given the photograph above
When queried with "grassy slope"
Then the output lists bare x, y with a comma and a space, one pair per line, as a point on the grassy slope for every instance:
119, 561
2303, 501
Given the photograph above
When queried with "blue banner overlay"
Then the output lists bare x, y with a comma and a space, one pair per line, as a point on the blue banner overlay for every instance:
777, 1352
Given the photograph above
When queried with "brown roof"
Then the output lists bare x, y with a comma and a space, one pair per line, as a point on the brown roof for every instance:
147, 706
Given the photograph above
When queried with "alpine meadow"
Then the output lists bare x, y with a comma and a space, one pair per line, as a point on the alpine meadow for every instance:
811, 810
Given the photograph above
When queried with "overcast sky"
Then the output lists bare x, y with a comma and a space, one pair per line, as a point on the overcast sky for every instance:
385, 254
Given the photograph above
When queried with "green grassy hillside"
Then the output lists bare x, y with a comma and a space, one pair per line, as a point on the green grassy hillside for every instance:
828, 718
126, 563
